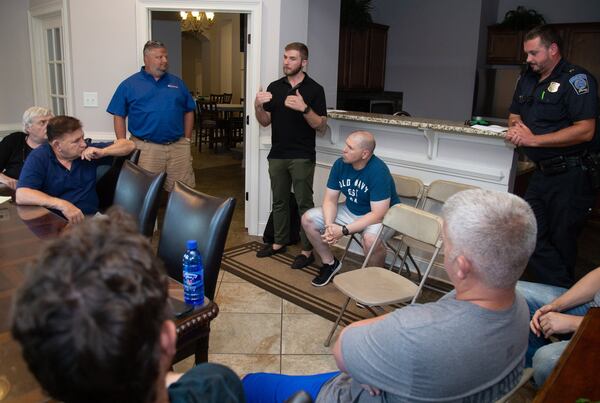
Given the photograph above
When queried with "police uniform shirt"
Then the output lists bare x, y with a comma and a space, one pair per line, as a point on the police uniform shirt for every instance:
568, 95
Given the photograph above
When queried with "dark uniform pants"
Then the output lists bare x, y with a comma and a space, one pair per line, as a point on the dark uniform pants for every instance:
561, 204
284, 173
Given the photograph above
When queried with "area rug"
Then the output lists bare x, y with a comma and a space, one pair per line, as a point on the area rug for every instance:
275, 275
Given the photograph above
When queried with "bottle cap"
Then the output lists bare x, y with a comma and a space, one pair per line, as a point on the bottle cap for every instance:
192, 244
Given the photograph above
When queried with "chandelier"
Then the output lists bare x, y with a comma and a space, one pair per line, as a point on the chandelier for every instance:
196, 22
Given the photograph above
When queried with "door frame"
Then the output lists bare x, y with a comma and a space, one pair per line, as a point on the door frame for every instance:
37, 16
253, 8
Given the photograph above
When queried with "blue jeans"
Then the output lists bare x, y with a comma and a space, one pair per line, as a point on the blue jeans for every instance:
261, 387
541, 354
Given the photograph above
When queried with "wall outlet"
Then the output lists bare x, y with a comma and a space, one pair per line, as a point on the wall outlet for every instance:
90, 99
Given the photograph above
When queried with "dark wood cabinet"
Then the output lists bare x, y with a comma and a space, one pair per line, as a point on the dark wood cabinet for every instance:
504, 46
581, 45
362, 56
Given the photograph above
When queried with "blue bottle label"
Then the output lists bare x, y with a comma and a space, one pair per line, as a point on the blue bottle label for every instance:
193, 287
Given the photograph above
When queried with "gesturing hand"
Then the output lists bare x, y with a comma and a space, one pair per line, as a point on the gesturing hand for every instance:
262, 97
295, 102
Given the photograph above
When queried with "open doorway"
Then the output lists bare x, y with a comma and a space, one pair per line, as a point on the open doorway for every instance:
208, 51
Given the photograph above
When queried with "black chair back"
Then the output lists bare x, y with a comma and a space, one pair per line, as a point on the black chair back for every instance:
106, 179
194, 215
137, 192
227, 98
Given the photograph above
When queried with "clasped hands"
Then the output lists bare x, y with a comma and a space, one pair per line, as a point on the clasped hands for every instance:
546, 321
520, 135
331, 233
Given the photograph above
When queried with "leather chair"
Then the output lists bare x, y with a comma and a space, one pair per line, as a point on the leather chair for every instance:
137, 192
194, 215
107, 176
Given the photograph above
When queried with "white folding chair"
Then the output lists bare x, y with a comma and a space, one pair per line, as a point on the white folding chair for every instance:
435, 196
410, 190
376, 286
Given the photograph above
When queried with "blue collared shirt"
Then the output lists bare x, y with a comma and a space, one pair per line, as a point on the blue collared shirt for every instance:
154, 108
42, 171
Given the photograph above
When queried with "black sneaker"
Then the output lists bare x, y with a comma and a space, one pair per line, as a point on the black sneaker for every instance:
326, 273
301, 261
267, 250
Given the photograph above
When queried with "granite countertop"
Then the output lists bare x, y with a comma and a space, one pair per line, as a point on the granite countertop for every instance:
414, 122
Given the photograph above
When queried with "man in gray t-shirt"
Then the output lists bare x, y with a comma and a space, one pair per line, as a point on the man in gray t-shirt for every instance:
468, 346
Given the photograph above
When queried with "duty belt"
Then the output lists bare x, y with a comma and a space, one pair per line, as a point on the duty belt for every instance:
560, 164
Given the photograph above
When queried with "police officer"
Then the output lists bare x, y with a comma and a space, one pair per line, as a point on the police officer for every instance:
554, 118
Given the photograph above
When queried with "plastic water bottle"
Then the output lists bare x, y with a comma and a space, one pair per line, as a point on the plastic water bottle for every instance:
193, 275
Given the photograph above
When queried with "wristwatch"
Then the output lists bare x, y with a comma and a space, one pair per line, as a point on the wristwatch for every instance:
345, 230
306, 110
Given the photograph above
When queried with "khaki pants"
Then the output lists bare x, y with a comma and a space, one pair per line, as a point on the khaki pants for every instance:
175, 159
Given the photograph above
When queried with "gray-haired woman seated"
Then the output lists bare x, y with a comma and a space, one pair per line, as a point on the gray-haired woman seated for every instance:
15, 147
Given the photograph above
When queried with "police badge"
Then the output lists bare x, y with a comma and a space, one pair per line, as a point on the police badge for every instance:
553, 87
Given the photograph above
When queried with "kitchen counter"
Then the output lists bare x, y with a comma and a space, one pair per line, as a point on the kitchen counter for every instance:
446, 126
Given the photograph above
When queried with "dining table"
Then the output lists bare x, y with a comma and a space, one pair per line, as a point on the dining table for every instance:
23, 232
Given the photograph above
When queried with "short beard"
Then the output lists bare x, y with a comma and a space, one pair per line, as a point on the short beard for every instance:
293, 72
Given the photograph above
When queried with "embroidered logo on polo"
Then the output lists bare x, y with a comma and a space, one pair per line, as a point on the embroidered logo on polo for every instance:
580, 83
172, 86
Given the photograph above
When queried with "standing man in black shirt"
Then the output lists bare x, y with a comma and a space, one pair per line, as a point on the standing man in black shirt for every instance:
295, 106
554, 118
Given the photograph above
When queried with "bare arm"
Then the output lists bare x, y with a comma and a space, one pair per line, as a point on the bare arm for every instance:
37, 198
188, 124
119, 148
120, 127
315, 121
263, 117
378, 210
8, 181
330, 202
579, 132
549, 320
583, 291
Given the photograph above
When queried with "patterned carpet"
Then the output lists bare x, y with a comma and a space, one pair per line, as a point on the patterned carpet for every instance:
275, 275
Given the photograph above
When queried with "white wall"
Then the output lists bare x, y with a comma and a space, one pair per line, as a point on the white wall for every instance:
431, 54
556, 11
16, 90
323, 43
104, 52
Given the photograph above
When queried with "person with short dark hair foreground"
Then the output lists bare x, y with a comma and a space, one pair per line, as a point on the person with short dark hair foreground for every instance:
94, 324
61, 174
468, 346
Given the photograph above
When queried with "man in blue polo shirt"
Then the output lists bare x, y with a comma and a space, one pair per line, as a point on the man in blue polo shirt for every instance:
160, 112
369, 188
61, 174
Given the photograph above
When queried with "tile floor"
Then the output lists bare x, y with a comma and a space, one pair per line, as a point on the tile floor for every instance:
256, 330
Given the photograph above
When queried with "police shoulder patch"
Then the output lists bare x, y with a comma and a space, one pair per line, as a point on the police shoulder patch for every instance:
580, 83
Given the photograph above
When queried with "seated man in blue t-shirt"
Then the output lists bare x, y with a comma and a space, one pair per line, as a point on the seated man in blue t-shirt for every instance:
366, 182
61, 174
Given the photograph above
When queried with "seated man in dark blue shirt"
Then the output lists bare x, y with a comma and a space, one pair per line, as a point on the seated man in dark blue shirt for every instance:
94, 324
61, 174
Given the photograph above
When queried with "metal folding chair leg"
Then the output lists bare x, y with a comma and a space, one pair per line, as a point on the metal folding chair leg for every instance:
337, 322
